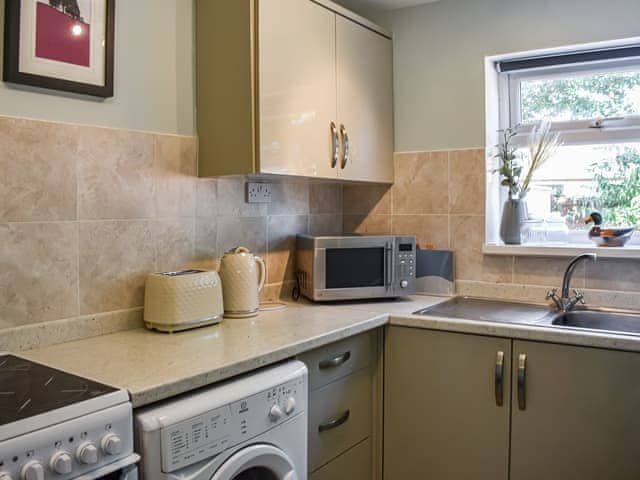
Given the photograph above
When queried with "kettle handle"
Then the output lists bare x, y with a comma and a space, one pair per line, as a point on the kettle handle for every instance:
262, 275
241, 250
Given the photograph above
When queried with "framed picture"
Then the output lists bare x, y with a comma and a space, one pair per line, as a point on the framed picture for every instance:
62, 45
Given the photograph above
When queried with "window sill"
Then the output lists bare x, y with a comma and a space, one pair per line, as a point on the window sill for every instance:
568, 250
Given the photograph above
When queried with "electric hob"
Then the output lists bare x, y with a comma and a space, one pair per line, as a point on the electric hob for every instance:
54, 424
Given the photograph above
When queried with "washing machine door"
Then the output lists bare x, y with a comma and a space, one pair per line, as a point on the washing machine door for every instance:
257, 462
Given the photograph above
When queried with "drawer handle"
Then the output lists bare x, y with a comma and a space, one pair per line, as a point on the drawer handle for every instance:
522, 381
499, 379
335, 361
335, 423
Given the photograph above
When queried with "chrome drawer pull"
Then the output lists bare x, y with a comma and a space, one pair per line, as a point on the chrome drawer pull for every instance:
499, 379
335, 423
522, 381
335, 361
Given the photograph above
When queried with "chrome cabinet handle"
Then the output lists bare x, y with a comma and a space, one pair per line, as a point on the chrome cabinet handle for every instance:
345, 146
334, 423
335, 145
522, 381
335, 361
499, 379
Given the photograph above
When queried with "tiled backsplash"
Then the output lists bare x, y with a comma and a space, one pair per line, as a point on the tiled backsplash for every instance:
86, 213
440, 198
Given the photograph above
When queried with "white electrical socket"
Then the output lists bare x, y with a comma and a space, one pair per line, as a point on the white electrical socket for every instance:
258, 192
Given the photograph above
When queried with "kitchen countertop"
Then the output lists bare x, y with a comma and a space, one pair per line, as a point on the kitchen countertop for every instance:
154, 366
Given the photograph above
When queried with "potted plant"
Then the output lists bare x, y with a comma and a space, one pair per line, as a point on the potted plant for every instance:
542, 145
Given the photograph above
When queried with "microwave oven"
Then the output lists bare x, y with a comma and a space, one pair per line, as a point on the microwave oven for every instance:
355, 267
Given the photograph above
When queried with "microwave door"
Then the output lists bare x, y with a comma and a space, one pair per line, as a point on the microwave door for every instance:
356, 272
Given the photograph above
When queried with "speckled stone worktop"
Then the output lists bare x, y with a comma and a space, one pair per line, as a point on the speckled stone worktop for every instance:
155, 366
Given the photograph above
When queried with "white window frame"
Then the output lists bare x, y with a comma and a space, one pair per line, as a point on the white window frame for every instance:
502, 111
590, 131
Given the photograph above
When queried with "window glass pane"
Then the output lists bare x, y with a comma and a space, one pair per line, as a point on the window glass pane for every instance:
579, 180
581, 97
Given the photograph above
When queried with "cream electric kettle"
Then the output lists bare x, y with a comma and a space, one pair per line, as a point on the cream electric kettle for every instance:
243, 275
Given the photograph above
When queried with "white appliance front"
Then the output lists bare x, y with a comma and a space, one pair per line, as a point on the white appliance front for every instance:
254, 427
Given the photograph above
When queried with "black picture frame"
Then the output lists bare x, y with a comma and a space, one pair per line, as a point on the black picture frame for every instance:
11, 66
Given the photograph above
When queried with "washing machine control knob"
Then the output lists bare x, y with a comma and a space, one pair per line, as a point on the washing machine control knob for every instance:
275, 413
289, 405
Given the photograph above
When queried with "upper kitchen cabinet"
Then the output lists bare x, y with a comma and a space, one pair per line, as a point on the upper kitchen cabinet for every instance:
293, 87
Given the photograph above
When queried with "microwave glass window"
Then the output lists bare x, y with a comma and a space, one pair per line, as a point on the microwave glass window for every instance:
354, 267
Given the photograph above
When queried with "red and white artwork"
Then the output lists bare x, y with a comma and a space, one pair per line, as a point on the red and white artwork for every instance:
63, 31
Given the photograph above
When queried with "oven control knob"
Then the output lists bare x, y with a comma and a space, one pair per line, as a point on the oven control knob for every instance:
61, 463
111, 444
289, 405
87, 453
275, 413
404, 284
5, 476
32, 471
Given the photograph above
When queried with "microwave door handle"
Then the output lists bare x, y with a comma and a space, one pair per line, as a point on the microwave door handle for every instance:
388, 264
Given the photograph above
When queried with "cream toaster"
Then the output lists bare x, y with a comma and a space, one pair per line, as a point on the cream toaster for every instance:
175, 301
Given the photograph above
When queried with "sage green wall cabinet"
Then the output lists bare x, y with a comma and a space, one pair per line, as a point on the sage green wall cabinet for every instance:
576, 414
566, 412
295, 88
446, 406
345, 398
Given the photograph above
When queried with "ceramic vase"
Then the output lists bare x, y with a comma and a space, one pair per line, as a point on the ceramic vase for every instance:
513, 215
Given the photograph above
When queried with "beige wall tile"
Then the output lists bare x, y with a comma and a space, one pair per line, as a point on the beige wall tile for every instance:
325, 198
428, 229
467, 182
206, 238
467, 238
206, 198
38, 272
282, 246
422, 183
366, 199
175, 176
231, 195
325, 224
175, 243
289, 198
38, 170
249, 232
115, 258
545, 271
367, 224
622, 275
115, 174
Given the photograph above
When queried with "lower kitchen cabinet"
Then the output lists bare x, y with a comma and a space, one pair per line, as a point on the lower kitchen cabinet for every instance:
576, 413
446, 406
567, 412
355, 464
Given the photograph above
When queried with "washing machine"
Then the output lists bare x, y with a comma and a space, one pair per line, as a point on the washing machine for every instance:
250, 428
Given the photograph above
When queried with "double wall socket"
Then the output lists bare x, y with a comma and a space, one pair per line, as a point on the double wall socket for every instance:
258, 192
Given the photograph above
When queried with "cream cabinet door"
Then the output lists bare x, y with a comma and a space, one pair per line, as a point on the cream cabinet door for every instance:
576, 413
365, 102
297, 88
446, 409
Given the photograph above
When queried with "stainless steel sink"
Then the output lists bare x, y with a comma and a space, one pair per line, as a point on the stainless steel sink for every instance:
488, 311
599, 320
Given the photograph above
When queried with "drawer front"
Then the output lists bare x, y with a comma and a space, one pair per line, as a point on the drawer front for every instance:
332, 362
355, 464
339, 417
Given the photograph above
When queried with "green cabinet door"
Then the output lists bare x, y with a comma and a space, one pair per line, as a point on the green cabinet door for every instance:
445, 417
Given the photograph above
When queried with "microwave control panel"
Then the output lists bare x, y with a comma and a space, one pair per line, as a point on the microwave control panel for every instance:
406, 264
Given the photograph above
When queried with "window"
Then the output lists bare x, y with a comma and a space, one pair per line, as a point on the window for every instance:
592, 98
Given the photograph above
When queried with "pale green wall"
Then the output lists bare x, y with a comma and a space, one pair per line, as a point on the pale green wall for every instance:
154, 77
439, 51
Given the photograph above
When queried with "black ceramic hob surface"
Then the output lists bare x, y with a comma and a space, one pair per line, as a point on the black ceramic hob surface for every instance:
28, 388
